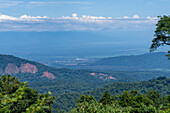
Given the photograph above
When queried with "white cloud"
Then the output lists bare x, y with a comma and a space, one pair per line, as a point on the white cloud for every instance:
32, 17
85, 17
136, 17
22, 18
74, 22
152, 17
74, 15
109, 17
88, 17
6, 17
126, 17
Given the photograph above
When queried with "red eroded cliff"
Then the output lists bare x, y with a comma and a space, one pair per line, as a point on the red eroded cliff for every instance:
11, 69
48, 75
28, 68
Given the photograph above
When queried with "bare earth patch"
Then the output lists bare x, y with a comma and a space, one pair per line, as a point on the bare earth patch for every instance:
103, 76
48, 75
11, 69
28, 68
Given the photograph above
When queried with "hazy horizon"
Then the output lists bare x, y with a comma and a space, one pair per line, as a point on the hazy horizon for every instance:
78, 28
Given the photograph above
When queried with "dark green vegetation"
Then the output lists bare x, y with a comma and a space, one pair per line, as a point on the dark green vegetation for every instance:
13, 93
128, 102
17, 97
61, 87
162, 33
71, 86
161, 85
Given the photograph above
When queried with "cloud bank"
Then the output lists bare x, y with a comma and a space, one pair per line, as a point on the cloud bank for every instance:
75, 23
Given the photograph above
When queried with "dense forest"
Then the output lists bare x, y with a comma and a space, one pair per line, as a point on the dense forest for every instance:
161, 85
127, 102
139, 97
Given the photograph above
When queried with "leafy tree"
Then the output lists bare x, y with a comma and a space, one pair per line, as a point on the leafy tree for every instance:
154, 96
87, 98
162, 33
133, 99
107, 98
16, 97
94, 106
128, 102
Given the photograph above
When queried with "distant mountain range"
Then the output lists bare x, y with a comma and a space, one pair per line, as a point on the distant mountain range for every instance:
150, 61
145, 62
32, 71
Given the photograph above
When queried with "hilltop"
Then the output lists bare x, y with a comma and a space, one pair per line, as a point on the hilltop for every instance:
149, 61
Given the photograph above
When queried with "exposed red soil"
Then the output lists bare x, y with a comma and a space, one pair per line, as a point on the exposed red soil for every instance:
11, 69
48, 75
93, 74
103, 76
28, 68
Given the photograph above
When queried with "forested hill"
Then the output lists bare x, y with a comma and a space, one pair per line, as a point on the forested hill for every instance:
32, 71
156, 60
161, 85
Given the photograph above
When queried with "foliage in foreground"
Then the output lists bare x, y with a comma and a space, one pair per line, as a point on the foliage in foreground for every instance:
162, 33
132, 102
17, 97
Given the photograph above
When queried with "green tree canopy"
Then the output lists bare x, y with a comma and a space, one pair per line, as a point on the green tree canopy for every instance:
128, 102
17, 97
162, 33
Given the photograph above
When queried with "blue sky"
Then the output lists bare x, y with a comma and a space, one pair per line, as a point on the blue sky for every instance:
66, 15
57, 8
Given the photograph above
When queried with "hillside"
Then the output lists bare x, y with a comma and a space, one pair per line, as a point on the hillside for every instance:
57, 80
33, 71
67, 84
61, 80
150, 61
161, 85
